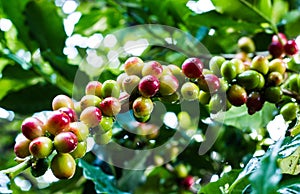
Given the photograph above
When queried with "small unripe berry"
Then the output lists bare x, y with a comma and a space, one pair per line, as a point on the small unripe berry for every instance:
189, 91
260, 64
80, 129
104, 138
289, 111
249, 79
65, 142
237, 95
277, 65
134, 66
152, 68
209, 83
228, 70
192, 67
110, 106
176, 71
41, 147
91, 116
32, 127
63, 166
130, 83
168, 85
93, 88
275, 78
272, 94
215, 64
246, 44
60, 101
105, 125
149, 86
110, 88
80, 150
89, 100
21, 148
120, 79
142, 107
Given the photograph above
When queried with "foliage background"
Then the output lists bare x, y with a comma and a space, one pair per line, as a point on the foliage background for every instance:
40, 57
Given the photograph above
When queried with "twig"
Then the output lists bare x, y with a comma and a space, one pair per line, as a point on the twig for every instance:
15, 170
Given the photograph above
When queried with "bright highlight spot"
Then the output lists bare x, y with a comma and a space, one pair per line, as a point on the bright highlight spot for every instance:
5, 24
136, 48
170, 119
69, 7
110, 41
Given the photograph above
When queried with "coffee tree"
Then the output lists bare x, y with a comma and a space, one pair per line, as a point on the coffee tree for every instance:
149, 96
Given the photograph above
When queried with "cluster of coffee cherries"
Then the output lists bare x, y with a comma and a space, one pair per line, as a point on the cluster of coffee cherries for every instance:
60, 138
281, 46
145, 81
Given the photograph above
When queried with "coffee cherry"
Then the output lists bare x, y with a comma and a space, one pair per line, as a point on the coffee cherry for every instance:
70, 112
152, 68
89, 100
260, 64
176, 71
239, 65
41, 147
105, 124
60, 101
276, 49
149, 86
188, 182
21, 148
262, 81
168, 85
142, 107
243, 56
289, 111
93, 88
110, 106
189, 91
246, 44
228, 70
63, 166
192, 67
184, 120
57, 122
236, 95
181, 170
91, 116
209, 83
248, 79
291, 47
272, 94
275, 78
32, 127
280, 37
204, 97
130, 83
39, 167
80, 129
104, 138
293, 83
80, 150
65, 142
167, 70
217, 103
254, 102
215, 64
110, 88
120, 79
134, 66
223, 85
277, 65
173, 98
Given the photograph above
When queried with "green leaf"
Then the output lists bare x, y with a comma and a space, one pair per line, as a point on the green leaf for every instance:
14, 11
265, 6
289, 146
219, 185
265, 179
241, 9
292, 27
31, 99
239, 117
103, 183
279, 9
290, 164
46, 26
87, 21
292, 189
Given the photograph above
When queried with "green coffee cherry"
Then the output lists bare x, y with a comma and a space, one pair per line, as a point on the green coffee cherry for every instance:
260, 64
228, 70
289, 111
249, 79
189, 91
